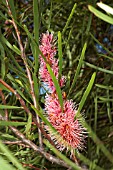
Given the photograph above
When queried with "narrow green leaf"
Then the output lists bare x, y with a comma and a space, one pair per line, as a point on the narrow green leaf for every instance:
3, 16
86, 93
62, 156
10, 107
9, 123
105, 7
35, 47
69, 18
16, 49
2, 57
60, 53
10, 156
34, 43
10, 46
89, 24
28, 125
78, 68
105, 99
100, 15
107, 50
96, 112
99, 68
36, 87
4, 88
108, 106
12, 7
4, 164
14, 83
104, 87
36, 31
13, 59
56, 84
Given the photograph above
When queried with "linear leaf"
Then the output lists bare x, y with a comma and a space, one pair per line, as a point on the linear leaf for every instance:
99, 68
12, 7
13, 48
69, 18
36, 30
100, 15
86, 93
78, 68
10, 123
5, 164
3, 69
10, 156
60, 54
105, 7
104, 87
56, 84
10, 107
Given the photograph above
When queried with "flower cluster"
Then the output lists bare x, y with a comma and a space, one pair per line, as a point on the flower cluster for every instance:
70, 130
49, 51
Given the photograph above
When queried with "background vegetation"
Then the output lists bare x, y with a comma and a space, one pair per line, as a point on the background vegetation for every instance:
19, 102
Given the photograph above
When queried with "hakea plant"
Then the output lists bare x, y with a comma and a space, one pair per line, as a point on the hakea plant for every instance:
63, 120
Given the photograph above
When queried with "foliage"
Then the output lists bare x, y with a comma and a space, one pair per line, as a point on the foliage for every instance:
85, 58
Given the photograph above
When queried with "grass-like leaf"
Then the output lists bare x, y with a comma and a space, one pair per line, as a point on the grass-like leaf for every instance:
10, 107
36, 31
78, 68
60, 53
105, 7
86, 93
9, 123
12, 7
13, 48
10, 156
4, 164
100, 15
56, 84
3, 69
99, 68
69, 18
106, 49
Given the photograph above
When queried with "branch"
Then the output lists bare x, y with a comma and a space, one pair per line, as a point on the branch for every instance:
18, 142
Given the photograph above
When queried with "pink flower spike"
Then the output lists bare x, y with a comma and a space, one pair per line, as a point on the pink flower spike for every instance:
71, 131
49, 51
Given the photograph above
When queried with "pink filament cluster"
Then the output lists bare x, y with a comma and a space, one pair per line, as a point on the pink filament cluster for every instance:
70, 130
49, 51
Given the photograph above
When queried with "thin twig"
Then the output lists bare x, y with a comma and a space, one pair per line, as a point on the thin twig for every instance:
23, 56
18, 142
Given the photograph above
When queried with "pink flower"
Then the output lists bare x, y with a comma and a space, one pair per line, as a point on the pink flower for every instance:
49, 51
70, 130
